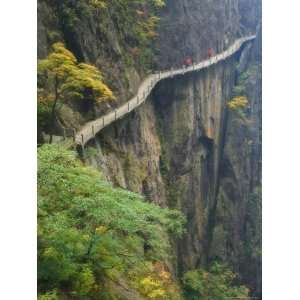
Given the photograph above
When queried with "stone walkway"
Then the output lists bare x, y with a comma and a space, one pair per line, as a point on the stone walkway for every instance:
90, 129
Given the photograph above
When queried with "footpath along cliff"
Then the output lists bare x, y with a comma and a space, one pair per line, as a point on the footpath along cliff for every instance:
195, 144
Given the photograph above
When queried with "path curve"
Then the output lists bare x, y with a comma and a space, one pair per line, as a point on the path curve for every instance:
90, 129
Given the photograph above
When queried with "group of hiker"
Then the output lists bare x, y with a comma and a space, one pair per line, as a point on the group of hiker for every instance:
188, 61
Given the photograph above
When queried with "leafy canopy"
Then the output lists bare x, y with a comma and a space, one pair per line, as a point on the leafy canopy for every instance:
98, 3
61, 74
89, 232
214, 284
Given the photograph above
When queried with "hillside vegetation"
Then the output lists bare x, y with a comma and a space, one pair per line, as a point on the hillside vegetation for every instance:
90, 233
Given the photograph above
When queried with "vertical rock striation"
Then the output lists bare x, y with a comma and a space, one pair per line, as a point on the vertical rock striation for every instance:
237, 231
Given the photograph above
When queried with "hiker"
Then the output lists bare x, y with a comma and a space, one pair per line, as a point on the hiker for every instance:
187, 62
209, 52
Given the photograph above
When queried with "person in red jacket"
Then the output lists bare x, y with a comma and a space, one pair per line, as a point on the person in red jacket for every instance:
209, 52
188, 62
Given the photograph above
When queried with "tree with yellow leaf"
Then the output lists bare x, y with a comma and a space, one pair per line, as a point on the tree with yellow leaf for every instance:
238, 102
154, 282
61, 78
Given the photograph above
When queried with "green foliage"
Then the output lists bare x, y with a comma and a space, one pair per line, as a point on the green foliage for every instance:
252, 241
250, 72
239, 102
90, 152
159, 3
43, 114
53, 36
240, 87
98, 3
89, 231
52, 295
136, 23
214, 284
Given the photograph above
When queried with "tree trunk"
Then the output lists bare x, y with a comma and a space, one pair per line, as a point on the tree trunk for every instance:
53, 110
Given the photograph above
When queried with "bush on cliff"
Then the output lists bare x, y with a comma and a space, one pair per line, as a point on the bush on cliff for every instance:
216, 283
90, 233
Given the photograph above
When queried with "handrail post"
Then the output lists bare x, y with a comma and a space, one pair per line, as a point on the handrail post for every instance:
128, 105
103, 121
93, 130
64, 133
137, 99
82, 139
74, 134
115, 114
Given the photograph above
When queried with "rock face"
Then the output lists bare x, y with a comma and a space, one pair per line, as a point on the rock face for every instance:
184, 147
237, 217
190, 27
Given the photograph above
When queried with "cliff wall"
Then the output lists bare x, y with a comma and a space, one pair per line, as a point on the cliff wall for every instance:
184, 147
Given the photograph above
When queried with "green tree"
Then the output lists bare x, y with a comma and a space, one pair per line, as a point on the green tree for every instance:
52, 295
98, 3
214, 284
90, 232
61, 78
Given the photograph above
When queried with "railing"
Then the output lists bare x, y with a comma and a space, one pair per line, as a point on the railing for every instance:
90, 129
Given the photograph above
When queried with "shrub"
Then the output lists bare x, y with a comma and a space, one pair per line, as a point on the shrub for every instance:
213, 284
52, 295
90, 232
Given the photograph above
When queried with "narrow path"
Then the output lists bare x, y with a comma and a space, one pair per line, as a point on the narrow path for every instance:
90, 129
